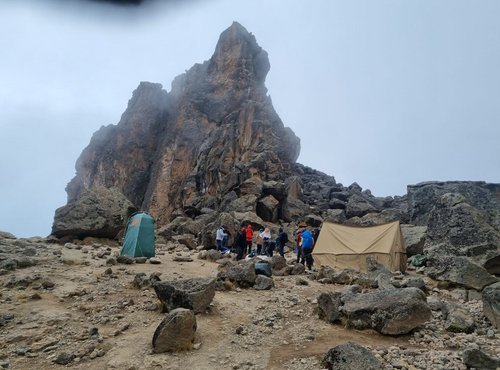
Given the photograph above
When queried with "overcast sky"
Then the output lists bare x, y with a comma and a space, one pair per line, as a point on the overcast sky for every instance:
382, 93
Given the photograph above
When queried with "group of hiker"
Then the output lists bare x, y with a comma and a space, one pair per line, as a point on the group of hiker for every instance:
265, 245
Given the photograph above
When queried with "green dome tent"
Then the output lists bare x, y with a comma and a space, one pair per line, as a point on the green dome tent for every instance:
139, 240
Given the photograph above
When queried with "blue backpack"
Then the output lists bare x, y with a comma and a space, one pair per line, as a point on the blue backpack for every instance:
307, 240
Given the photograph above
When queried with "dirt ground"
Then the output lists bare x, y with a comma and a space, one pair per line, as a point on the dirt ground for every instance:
104, 322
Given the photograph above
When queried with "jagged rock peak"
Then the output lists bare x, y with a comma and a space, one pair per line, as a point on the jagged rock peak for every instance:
194, 147
237, 51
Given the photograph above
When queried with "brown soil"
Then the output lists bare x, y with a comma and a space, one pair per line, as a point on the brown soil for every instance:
278, 326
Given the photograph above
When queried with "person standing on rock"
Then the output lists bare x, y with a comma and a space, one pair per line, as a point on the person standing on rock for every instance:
249, 238
307, 246
240, 242
298, 242
281, 241
219, 238
259, 241
266, 237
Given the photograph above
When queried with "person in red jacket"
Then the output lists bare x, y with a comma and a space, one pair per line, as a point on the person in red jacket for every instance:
249, 237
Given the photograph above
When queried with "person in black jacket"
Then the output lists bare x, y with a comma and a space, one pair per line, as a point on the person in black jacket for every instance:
240, 242
281, 241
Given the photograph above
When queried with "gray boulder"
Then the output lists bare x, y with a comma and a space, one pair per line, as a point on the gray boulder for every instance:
267, 208
195, 294
358, 206
263, 282
458, 319
391, 312
414, 237
350, 356
491, 304
176, 332
329, 306
100, 212
241, 273
475, 358
278, 262
459, 270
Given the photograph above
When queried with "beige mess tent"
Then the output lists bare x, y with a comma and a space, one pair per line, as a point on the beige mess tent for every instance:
344, 246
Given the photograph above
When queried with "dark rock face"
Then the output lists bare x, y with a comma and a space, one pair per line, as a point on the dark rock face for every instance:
214, 142
184, 150
422, 197
329, 306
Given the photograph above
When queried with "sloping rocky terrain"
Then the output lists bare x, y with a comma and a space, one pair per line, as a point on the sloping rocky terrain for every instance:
213, 151
77, 306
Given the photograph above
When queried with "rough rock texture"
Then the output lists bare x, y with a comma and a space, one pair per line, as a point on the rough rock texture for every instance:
195, 294
214, 145
458, 319
460, 271
491, 304
414, 237
182, 151
100, 212
422, 197
329, 306
349, 356
176, 332
391, 312
241, 273
263, 282
475, 358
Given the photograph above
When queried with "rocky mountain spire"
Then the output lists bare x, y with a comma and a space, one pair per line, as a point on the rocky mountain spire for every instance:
188, 149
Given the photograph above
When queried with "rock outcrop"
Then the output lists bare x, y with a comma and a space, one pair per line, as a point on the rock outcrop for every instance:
213, 151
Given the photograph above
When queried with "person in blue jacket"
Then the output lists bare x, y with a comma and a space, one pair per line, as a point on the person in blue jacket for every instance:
306, 247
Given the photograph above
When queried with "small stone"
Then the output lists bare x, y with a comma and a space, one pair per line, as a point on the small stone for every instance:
154, 261
64, 358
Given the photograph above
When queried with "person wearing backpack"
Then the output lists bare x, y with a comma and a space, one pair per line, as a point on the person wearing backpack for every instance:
281, 241
307, 246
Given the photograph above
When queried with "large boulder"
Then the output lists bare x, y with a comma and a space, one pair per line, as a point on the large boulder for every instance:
350, 356
176, 332
390, 312
491, 304
195, 294
241, 273
329, 304
263, 282
458, 319
475, 358
214, 133
100, 212
358, 206
414, 237
459, 270
267, 208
